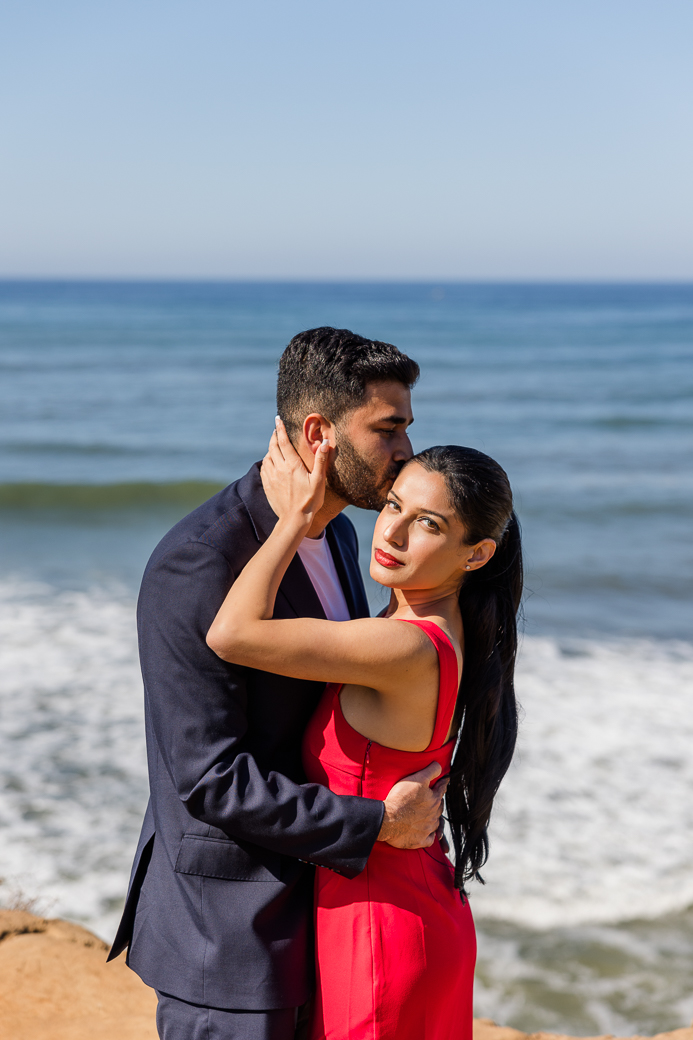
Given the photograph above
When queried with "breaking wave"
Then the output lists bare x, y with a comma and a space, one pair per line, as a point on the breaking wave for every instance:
594, 822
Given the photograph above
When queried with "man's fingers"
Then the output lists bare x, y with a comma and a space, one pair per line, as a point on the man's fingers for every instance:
425, 775
413, 809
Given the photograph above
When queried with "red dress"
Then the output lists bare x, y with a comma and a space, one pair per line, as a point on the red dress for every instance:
395, 946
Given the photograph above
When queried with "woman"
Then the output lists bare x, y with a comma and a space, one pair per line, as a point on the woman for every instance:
395, 946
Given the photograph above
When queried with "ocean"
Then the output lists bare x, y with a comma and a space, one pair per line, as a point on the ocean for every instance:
123, 405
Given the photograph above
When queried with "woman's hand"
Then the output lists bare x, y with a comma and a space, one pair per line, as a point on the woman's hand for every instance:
293, 491
295, 494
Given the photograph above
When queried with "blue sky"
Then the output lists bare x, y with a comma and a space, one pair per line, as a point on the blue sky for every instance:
514, 139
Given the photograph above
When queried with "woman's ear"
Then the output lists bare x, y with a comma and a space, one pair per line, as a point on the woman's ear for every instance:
480, 554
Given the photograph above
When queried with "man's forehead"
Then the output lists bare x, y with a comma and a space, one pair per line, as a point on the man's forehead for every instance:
387, 402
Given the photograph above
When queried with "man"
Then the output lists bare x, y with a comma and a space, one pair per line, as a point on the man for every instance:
218, 915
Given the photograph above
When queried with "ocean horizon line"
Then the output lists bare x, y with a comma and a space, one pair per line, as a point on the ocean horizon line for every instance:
446, 280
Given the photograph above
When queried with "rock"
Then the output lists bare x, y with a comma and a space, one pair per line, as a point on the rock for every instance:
486, 1029
55, 985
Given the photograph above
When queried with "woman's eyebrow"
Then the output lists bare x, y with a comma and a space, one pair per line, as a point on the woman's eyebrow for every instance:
423, 509
435, 513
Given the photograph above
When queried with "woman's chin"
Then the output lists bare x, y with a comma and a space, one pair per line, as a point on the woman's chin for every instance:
382, 575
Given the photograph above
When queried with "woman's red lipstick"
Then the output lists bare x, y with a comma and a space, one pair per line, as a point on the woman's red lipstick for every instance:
385, 560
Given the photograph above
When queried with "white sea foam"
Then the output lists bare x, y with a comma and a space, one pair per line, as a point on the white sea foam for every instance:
73, 780
594, 822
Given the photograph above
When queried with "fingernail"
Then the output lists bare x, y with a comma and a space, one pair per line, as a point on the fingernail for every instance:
325, 444
277, 420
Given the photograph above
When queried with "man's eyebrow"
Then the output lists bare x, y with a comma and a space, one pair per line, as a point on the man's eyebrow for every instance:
396, 420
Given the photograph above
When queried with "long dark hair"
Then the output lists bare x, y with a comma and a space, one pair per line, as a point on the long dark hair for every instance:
486, 712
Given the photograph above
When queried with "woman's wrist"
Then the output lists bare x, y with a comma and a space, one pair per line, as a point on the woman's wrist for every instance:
294, 524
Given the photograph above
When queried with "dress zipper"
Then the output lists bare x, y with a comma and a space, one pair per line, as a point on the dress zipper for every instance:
366, 759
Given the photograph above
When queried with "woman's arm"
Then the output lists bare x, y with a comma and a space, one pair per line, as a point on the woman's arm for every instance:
363, 652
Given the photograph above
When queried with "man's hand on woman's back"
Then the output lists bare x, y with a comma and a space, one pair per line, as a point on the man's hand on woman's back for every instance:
413, 809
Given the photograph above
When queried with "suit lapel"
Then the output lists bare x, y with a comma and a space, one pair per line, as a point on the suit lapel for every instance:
297, 589
347, 566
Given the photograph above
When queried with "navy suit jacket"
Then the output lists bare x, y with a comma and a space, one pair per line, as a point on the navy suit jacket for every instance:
219, 909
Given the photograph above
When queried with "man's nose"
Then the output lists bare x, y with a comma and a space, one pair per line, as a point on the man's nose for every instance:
403, 450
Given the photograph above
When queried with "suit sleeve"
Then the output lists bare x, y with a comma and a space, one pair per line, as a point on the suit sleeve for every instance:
197, 708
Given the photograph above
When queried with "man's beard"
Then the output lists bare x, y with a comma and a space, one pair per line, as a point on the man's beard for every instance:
352, 477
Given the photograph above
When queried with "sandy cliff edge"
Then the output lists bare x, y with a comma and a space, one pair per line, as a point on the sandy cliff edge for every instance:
55, 985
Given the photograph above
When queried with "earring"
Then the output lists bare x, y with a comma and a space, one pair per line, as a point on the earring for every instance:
467, 568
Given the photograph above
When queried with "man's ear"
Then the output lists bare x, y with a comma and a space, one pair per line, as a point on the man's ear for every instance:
315, 429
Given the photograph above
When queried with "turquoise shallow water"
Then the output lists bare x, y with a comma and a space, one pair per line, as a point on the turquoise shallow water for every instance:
122, 406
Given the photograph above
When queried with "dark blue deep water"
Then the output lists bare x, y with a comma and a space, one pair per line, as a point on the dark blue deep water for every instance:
584, 393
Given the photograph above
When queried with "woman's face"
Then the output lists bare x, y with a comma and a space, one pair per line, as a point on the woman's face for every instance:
419, 542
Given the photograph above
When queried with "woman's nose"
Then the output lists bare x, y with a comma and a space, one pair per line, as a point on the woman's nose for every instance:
395, 533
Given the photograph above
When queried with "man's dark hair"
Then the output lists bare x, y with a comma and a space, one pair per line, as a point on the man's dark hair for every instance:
327, 370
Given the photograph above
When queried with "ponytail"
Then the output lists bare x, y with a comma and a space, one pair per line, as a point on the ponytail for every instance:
486, 712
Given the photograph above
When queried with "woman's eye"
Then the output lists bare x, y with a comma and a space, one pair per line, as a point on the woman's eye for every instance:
392, 504
431, 524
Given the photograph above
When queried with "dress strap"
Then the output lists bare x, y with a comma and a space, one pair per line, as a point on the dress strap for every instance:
448, 685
